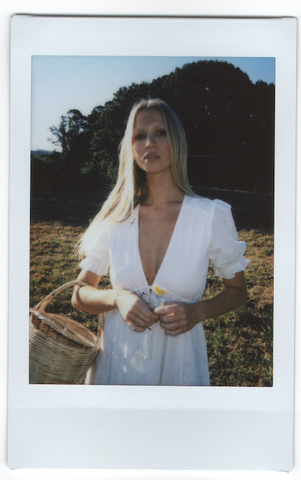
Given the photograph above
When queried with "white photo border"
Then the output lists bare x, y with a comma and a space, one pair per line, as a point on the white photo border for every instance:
235, 428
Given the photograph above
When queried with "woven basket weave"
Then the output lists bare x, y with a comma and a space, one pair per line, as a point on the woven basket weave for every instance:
61, 350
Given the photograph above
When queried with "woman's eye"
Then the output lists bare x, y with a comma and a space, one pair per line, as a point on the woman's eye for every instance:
140, 136
162, 132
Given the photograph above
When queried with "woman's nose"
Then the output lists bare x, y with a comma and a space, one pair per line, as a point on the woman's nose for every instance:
150, 141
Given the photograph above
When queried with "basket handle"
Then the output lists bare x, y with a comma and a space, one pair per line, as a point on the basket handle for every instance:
40, 307
43, 303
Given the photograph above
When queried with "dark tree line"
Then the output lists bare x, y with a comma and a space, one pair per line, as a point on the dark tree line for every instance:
228, 120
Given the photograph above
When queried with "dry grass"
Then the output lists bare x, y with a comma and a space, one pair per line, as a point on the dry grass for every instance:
53, 263
240, 344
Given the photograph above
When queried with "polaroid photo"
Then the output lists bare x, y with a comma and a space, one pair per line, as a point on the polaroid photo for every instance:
218, 392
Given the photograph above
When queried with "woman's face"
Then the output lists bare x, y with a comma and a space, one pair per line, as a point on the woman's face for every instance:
151, 147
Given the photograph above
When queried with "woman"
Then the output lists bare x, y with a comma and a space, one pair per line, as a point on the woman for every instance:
157, 237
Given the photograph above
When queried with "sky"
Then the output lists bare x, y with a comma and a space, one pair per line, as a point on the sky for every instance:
62, 83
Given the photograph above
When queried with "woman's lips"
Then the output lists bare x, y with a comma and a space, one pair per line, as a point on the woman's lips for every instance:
151, 158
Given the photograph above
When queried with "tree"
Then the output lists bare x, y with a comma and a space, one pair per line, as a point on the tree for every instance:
74, 136
229, 123
60, 133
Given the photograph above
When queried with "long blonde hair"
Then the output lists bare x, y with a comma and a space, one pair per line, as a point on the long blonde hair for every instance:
131, 187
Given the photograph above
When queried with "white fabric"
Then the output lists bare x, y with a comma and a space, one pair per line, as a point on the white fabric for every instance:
204, 231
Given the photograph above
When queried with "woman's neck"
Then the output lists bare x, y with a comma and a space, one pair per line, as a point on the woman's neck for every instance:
162, 190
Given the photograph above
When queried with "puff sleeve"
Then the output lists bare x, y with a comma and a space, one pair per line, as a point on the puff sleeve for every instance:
225, 251
98, 256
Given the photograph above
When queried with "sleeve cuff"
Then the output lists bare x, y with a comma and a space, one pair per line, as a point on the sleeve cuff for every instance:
98, 268
229, 272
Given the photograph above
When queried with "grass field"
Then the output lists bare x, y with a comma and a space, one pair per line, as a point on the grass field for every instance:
240, 344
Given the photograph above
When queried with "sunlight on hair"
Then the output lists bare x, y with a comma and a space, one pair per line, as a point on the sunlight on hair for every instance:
131, 187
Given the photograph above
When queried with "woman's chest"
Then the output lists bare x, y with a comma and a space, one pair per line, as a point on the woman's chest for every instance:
181, 254
154, 237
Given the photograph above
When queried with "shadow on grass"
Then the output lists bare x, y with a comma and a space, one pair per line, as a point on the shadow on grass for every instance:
69, 207
78, 208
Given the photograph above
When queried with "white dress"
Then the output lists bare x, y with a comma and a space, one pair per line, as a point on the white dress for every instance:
204, 231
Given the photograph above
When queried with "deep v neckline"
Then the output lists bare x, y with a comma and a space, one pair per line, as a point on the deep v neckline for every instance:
171, 240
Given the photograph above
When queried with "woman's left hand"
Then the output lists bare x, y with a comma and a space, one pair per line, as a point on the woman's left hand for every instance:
178, 317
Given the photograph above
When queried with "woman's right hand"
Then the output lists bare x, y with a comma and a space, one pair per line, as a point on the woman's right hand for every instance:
135, 311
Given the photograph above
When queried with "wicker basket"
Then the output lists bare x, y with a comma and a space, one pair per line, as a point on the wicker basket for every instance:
61, 350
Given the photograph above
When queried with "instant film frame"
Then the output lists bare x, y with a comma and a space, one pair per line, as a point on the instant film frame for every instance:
228, 428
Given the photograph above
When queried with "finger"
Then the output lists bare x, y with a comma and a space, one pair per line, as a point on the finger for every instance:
174, 333
144, 305
135, 327
137, 320
174, 325
146, 315
167, 308
175, 317
173, 329
141, 318
147, 312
